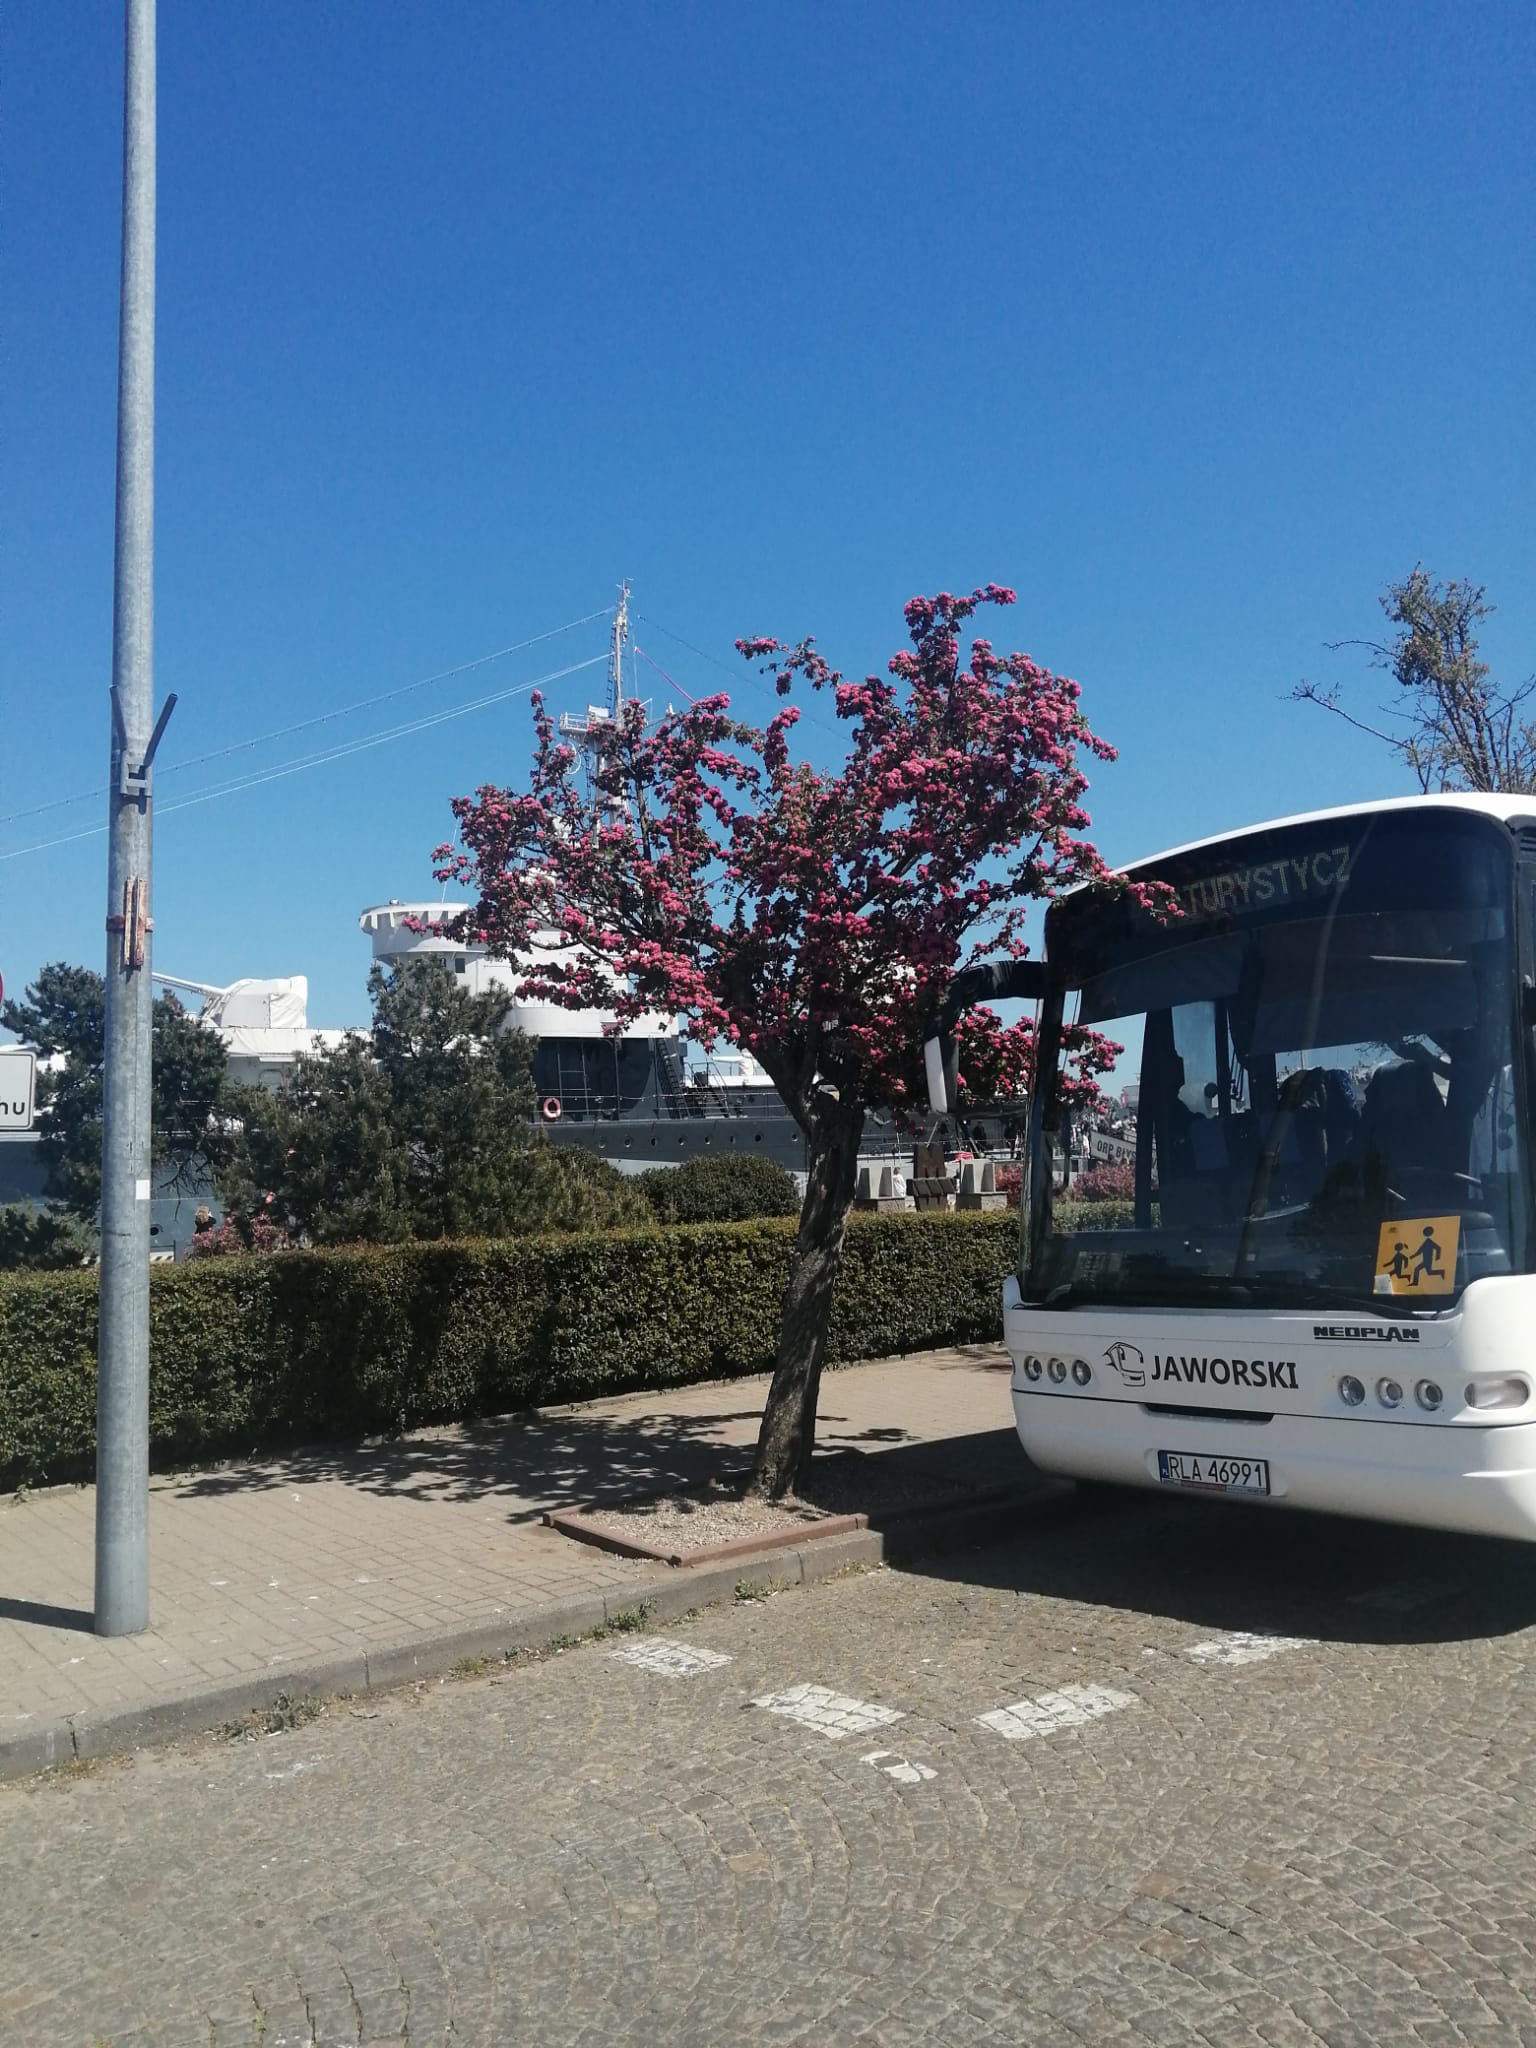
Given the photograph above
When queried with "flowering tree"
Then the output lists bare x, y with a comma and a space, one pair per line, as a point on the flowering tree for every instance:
814, 917
997, 1062
1106, 1182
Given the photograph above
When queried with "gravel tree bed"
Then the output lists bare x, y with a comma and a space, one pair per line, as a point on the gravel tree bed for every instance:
722, 1512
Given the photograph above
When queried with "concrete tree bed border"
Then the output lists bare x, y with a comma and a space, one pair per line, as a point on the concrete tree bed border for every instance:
580, 1524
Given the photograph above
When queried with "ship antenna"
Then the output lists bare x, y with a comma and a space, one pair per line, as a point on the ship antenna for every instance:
582, 727
616, 654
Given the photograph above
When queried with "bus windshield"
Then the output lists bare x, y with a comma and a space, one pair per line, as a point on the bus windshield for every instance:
1317, 1099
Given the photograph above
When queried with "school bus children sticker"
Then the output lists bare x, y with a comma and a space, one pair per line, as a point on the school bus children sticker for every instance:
1417, 1255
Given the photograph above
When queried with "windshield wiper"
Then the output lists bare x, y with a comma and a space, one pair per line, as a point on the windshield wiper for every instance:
1172, 1290
1389, 1305
1211, 1290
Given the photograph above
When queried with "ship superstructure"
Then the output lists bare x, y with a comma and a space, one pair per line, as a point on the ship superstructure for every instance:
633, 1093
636, 1094
264, 1023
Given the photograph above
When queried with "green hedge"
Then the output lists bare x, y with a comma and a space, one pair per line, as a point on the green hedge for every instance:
1113, 1214
248, 1353
727, 1187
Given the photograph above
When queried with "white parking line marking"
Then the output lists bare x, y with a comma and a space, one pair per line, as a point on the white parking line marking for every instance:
670, 1659
901, 1768
829, 1713
1243, 1647
1049, 1711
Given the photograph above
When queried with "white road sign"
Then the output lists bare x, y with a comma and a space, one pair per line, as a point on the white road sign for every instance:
18, 1076
1101, 1145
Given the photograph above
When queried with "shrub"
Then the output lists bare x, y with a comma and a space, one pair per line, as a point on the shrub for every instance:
235, 1235
420, 1131
730, 1188
569, 1188
1105, 1184
44, 1240
1075, 1215
248, 1353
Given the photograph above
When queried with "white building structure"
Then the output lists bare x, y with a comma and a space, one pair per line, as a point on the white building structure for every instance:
264, 1024
402, 931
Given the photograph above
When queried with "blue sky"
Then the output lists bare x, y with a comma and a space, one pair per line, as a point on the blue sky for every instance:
1196, 324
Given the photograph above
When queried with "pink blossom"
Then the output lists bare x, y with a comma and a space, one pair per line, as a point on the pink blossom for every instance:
815, 916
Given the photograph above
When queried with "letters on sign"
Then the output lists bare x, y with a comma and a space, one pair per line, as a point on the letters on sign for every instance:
1271, 883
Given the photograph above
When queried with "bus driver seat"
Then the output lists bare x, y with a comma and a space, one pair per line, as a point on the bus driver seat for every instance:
1405, 1128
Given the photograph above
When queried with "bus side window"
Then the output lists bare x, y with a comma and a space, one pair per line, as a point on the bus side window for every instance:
1493, 1127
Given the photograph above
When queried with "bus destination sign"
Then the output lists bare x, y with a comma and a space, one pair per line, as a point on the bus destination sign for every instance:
1296, 879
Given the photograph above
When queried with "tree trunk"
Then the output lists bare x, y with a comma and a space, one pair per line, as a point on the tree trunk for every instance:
788, 1434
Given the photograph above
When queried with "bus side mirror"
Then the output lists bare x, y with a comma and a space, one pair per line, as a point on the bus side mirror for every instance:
996, 981
941, 1071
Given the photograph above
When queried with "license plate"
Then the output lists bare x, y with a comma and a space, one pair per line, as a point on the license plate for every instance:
1213, 1475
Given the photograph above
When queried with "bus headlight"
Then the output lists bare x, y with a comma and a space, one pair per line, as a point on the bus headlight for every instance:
1428, 1395
1351, 1391
1031, 1368
1510, 1393
1389, 1393
1057, 1370
1082, 1371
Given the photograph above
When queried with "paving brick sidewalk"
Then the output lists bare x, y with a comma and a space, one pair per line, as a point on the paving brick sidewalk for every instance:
343, 1563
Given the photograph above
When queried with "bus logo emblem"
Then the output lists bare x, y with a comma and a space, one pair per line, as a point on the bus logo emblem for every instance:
1128, 1362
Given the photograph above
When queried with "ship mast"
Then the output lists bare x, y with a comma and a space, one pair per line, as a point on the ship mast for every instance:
616, 652
584, 726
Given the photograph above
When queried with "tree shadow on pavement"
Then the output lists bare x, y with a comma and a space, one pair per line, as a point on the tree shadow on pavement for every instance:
540, 1460
529, 1462
1228, 1567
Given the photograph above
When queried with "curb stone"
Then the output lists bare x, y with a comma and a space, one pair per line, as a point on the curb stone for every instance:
387, 1666
581, 1525
573, 1522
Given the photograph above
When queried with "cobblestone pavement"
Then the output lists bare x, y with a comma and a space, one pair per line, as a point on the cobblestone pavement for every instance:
1160, 1772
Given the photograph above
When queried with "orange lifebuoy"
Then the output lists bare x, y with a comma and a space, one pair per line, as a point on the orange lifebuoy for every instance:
551, 1109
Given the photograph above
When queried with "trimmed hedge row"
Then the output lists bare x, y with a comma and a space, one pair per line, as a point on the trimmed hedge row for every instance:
1112, 1214
249, 1353
725, 1187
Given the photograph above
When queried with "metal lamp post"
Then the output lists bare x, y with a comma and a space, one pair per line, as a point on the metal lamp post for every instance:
122, 1411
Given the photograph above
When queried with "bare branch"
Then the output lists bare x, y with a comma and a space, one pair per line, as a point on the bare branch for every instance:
1307, 693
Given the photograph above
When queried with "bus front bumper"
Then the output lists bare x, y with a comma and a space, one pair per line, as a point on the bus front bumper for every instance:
1476, 1478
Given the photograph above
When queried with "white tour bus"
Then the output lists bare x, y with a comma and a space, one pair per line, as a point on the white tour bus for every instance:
1322, 1290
